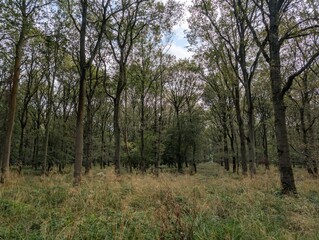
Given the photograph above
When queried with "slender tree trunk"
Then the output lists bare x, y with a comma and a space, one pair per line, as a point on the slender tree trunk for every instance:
184, 156
247, 85
79, 131
49, 109
125, 135
160, 125
46, 146
194, 167
5, 159
286, 173
80, 113
64, 132
21, 144
242, 138
89, 140
232, 145
265, 143
84, 66
225, 144
143, 164
116, 117
156, 129
251, 132
117, 134
312, 159
179, 143
102, 158
305, 141
35, 154
306, 128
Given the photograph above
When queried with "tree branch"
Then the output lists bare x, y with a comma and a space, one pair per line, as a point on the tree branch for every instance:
297, 73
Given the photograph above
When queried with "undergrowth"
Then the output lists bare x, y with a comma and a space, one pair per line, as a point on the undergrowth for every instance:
212, 204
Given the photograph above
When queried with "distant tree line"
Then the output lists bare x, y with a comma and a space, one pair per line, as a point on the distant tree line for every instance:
91, 83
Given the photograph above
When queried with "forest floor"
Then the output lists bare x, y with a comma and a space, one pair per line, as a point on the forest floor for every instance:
212, 204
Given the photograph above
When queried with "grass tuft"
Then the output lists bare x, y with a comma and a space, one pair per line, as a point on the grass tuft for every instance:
210, 205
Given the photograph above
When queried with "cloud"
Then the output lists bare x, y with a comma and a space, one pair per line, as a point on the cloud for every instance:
179, 41
179, 51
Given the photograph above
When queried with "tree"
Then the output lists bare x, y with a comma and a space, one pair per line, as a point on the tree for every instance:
181, 86
281, 23
52, 44
84, 64
303, 95
219, 48
93, 105
232, 30
125, 28
20, 13
29, 87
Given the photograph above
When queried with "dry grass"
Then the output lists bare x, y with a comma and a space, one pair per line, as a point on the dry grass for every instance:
210, 205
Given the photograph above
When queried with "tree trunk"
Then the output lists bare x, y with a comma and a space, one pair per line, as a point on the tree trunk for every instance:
225, 143
160, 123
265, 143
102, 159
143, 164
194, 168
179, 144
49, 107
243, 154
21, 144
35, 154
89, 140
5, 159
251, 132
306, 128
247, 85
125, 135
117, 134
79, 131
232, 145
156, 129
286, 173
80, 114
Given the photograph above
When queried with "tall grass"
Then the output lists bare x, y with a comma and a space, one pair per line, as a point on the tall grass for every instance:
210, 205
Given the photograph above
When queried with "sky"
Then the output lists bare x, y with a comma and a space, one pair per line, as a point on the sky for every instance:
179, 41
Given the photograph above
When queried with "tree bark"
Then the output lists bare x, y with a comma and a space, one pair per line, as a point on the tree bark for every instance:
89, 140
5, 159
243, 154
79, 131
49, 106
179, 143
116, 118
307, 129
225, 143
232, 145
84, 66
159, 124
241, 28
286, 173
143, 164
117, 134
251, 132
265, 142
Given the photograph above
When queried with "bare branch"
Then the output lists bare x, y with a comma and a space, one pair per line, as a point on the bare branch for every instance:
297, 73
